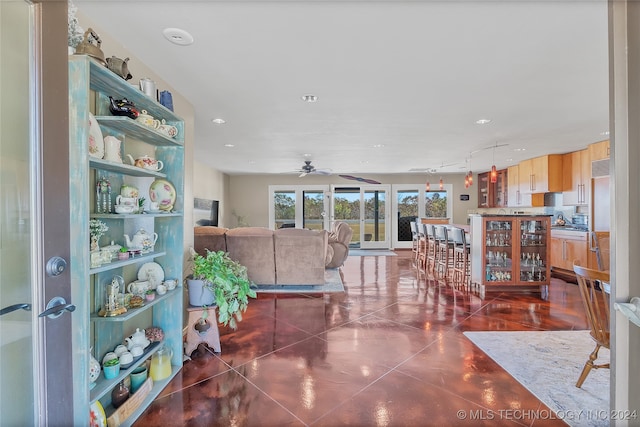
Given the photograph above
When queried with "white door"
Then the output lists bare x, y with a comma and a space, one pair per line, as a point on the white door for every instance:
35, 351
367, 211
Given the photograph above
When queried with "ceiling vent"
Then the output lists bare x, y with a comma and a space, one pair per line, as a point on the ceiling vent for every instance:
600, 168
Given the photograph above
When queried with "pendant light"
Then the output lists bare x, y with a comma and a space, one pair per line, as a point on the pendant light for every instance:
441, 184
493, 177
428, 186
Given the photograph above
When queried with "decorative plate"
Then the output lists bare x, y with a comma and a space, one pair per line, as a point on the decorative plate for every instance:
97, 417
96, 142
164, 193
153, 272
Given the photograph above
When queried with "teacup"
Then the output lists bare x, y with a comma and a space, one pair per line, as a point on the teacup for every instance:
170, 284
126, 201
161, 289
136, 350
124, 209
120, 349
126, 358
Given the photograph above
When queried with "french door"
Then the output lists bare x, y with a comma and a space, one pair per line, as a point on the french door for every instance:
366, 210
36, 374
412, 201
299, 206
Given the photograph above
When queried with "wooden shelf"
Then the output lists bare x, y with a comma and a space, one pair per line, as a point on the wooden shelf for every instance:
137, 130
132, 312
106, 165
155, 391
103, 385
118, 263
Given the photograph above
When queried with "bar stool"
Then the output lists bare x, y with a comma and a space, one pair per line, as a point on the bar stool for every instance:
422, 245
430, 262
444, 253
461, 254
414, 240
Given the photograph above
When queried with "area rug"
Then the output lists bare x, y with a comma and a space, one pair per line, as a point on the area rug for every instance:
332, 283
548, 364
370, 252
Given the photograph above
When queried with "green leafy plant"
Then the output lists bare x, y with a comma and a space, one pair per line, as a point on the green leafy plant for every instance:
229, 282
112, 362
124, 249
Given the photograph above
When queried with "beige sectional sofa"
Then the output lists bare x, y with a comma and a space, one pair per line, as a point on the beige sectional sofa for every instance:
288, 256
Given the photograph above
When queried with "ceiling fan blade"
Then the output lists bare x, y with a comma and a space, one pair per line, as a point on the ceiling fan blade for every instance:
359, 179
303, 174
322, 172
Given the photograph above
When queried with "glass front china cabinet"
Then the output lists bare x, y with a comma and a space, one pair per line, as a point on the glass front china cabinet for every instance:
510, 250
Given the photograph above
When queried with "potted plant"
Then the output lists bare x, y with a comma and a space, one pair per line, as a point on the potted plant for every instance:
219, 280
124, 253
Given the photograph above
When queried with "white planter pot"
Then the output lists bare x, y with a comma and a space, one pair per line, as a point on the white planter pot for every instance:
199, 295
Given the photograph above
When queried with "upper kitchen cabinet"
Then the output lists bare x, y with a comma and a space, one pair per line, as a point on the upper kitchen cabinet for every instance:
599, 150
576, 176
492, 195
541, 174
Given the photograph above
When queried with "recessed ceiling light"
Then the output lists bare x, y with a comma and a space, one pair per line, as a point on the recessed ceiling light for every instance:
309, 98
219, 121
378, 145
519, 149
605, 133
177, 36
483, 121
229, 145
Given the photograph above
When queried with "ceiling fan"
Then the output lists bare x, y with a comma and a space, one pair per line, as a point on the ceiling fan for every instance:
308, 168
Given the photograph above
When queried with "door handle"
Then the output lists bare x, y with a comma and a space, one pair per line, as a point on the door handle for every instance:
14, 307
56, 307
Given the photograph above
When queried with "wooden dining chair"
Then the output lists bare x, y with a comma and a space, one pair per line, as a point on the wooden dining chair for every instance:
596, 305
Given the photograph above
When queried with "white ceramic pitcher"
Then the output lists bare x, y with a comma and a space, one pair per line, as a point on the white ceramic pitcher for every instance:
112, 149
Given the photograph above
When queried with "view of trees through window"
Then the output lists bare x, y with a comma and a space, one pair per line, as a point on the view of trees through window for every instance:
435, 204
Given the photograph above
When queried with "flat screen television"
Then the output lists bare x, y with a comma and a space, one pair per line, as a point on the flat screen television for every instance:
205, 211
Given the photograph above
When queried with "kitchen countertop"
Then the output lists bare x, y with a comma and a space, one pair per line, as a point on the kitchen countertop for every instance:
568, 228
511, 215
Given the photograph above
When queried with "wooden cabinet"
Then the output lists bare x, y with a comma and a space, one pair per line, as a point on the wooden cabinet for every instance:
510, 251
576, 177
541, 174
568, 247
492, 195
90, 85
518, 190
599, 150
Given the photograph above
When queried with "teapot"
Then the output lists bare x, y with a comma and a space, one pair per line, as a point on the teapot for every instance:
138, 338
119, 66
147, 119
123, 107
560, 220
146, 162
167, 129
148, 86
142, 240
128, 191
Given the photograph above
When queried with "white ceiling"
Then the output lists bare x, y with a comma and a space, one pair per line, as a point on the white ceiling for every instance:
399, 84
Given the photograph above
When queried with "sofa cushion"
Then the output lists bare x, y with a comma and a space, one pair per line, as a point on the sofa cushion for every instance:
209, 237
300, 256
253, 248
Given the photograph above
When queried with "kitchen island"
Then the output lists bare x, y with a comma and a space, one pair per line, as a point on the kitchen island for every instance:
510, 252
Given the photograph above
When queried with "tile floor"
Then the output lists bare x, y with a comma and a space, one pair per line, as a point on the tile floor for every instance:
387, 352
